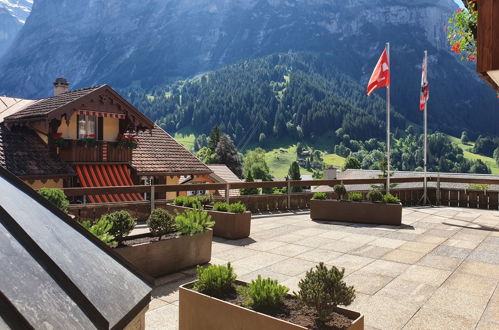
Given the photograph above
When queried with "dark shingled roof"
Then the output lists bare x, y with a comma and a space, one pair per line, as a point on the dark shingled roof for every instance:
24, 153
159, 153
43, 107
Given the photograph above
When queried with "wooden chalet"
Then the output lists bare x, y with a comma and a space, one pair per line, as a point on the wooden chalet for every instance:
89, 137
487, 39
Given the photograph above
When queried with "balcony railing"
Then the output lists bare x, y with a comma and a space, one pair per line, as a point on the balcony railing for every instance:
459, 197
74, 152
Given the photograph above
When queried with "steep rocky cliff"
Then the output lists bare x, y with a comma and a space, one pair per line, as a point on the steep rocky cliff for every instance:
13, 14
153, 42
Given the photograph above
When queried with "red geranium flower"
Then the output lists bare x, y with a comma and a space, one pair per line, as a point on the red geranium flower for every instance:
57, 136
472, 58
455, 48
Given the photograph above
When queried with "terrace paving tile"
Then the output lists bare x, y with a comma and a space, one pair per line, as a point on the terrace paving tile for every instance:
404, 256
440, 262
430, 319
367, 283
480, 268
435, 272
318, 255
408, 291
371, 251
451, 251
427, 275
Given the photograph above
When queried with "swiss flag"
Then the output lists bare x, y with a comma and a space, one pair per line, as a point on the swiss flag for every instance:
381, 74
425, 93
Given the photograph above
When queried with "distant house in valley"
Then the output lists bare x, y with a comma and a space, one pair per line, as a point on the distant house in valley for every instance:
89, 137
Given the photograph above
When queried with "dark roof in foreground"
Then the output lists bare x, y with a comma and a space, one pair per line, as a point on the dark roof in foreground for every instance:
54, 273
374, 174
24, 153
158, 153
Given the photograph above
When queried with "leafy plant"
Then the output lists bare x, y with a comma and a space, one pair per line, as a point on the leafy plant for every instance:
482, 187
58, 141
161, 222
375, 195
192, 222
215, 280
340, 190
319, 196
57, 197
187, 201
179, 200
205, 199
127, 142
354, 196
263, 294
389, 198
324, 289
100, 230
461, 32
89, 141
237, 207
122, 223
221, 206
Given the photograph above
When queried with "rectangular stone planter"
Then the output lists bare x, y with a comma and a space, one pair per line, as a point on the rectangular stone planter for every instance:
169, 255
358, 212
199, 311
227, 225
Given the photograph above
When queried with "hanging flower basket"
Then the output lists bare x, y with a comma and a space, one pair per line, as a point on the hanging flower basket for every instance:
58, 141
89, 141
462, 32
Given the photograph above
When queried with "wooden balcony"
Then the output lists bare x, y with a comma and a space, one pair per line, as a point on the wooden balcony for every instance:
108, 152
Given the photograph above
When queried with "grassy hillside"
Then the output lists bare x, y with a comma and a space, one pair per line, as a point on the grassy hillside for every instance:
471, 156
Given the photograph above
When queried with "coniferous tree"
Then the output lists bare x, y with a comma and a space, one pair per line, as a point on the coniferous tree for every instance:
227, 154
214, 138
294, 174
249, 191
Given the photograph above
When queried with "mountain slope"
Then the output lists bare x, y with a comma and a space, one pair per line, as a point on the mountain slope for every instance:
153, 42
296, 95
13, 14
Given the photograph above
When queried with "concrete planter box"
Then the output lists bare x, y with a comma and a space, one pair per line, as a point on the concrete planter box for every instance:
227, 225
169, 255
199, 311
358, 212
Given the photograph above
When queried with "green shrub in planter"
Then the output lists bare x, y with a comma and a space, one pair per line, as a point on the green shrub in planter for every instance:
161, 222
356, 197
100, 230
56, 197
237, 207
320, 196
375, 195
192, 222
390, 199
263, 294
221, 206
187, 201
123, 223
324, 289
205, 199
179, 200
215, 280
340, 190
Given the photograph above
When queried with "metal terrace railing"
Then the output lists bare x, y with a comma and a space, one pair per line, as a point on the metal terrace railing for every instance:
409, 196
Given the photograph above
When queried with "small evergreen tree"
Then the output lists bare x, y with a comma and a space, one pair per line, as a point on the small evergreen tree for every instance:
214, 138
249, 191
496, 155
352, 163
227, 154
294, 174
464, 137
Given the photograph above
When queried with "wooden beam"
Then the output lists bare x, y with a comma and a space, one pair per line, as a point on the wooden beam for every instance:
488, 39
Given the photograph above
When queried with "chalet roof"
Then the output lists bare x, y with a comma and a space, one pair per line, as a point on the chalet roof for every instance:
57, 275
221, 173
42, 107
159, 154
11, 105
25, 154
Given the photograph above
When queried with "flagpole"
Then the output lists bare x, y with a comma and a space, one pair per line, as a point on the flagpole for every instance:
425, 194
388, 125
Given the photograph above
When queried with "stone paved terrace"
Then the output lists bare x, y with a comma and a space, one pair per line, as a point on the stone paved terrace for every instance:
440, 270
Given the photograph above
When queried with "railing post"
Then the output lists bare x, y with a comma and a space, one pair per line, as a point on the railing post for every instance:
84, 199
288, 191
152, 197
438, 189
227, 189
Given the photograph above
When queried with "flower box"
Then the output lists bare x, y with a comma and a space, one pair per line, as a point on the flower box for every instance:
200, 311
357, 212
158, 258
227, 225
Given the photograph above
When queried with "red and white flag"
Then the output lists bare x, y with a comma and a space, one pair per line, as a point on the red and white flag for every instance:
381, 74
425, 91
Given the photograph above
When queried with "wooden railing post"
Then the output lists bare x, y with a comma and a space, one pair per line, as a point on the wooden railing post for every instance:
227, 190
438, 190
288, 191
152, 198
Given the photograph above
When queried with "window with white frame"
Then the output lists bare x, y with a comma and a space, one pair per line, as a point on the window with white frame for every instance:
87, 126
